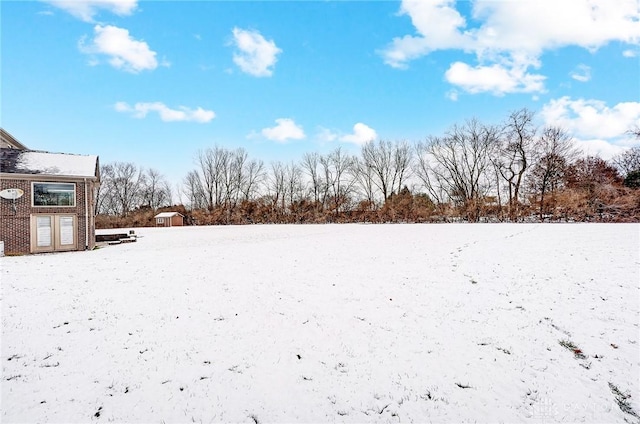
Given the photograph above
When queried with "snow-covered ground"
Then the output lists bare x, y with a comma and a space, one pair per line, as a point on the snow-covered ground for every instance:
328, 323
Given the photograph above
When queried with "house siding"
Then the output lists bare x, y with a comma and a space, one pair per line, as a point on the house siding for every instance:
15, 227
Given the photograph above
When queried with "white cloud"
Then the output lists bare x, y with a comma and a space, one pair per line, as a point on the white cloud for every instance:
255, 55
140, 110
598, 129
510, 36
438, 26
629, 53
596, 147
286, 129
535, 26
326, 135
123, 51
496, 79
361, 134
582, 73
87, 9
592, 119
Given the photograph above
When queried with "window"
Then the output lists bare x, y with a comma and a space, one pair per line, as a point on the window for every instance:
160, 220
54, 194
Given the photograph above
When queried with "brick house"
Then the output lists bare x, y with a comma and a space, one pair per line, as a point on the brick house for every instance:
56, 203
169, 219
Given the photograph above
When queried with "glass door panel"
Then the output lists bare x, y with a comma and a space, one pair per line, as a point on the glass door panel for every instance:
44, 231
66, 230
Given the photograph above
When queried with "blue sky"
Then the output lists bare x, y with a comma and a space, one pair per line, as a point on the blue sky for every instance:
151, 82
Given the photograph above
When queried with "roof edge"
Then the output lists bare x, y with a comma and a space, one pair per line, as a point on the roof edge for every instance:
10, 140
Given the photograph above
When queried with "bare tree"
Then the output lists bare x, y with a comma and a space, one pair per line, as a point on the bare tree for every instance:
457, 164
389, 164
628, 161
156, 191
377, 156
122, 188
425, 170
338, 179
213, 168
223, 178
514, 156
234, 168
252, 177
294, 187
277, 184
194, 190
554, 150
635, 131
310, 163
597, 181
403, 162
363, 175
103, 193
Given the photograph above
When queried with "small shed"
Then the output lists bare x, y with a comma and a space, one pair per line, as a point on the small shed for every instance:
169, 219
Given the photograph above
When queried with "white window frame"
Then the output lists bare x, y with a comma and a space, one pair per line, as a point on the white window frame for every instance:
33, 195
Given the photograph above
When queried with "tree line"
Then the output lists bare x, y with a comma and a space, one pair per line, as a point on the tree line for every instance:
512, 171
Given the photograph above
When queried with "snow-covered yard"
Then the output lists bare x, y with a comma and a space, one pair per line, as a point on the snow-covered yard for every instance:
328, 323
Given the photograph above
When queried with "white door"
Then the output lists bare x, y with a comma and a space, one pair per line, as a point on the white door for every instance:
53, 232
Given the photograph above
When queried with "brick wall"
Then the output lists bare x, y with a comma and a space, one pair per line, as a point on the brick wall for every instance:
15, 225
